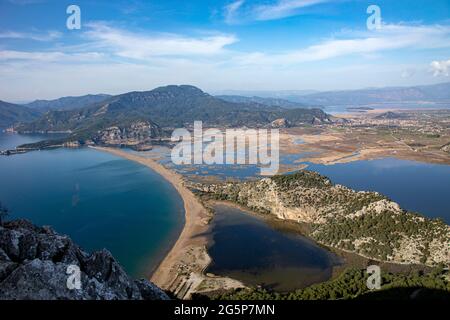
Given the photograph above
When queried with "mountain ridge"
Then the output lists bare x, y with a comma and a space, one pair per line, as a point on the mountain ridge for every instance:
66, 103
437, 93
11, 114
167, 108
276, 102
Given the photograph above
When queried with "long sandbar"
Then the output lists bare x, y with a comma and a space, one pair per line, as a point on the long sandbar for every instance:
195, 225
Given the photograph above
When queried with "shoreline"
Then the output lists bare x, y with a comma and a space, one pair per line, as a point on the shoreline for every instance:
195, 219
330, 148
348, 259
182, 271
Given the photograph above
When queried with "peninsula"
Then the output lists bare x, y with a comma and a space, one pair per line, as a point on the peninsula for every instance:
366, 223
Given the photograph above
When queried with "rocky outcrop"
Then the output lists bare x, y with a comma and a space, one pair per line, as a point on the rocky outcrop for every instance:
36, 263
137, 133
390, 116
72, 144
317, 120
446, 148
365, 223
280, 123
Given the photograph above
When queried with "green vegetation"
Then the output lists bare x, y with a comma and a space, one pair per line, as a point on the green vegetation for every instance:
352, 284
276, 102
11, 114
303, 178
384, 232
366, 223
167, 107
67, 103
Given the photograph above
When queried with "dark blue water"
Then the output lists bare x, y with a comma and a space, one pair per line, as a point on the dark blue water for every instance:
248, 249
10, 141
98, 199
416, 186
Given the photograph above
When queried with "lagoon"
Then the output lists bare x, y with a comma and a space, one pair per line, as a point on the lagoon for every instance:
248, 248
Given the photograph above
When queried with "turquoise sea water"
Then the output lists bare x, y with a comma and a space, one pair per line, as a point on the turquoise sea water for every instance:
99, 200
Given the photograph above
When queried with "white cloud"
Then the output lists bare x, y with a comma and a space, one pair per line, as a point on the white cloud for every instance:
113, 60
237, 11
440, 68
47, 36
52, 56
116, 42
390, 37
282, 8
144, 46
231, 9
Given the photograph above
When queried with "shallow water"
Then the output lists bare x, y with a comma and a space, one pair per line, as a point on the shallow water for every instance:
247, 248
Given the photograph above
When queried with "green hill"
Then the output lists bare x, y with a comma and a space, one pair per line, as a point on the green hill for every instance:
168, 107
11, 114
67, 103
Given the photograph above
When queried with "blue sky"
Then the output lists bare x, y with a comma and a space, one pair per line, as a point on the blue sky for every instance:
218, 45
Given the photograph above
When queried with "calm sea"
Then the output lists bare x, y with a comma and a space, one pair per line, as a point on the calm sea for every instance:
99, 200
416, 186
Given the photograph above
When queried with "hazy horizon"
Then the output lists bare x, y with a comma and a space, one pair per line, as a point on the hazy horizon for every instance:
243, 92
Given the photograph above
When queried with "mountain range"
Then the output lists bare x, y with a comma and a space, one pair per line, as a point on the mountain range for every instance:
281, 94
275, 102
168, 107
67, 103
177, 106
11, 114
136, 117
415, 95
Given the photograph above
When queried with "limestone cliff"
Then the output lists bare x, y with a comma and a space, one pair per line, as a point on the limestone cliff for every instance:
366, 223
34, 264
137, 133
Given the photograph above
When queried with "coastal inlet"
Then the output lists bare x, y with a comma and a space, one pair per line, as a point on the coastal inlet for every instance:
247, 248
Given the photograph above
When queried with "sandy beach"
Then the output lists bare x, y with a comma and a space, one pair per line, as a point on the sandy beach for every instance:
182, 270
195, 218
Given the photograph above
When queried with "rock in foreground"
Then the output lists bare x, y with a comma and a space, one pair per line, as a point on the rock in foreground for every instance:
34, 264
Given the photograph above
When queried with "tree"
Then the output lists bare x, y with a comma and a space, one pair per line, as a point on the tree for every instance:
3, 213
